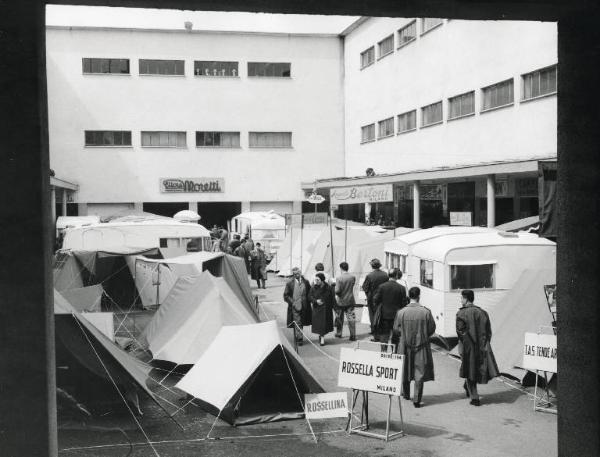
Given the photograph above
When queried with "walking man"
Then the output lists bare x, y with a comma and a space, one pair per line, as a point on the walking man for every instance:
344, 291
372, 281
412, 328
474, 331
295, 295
391, 297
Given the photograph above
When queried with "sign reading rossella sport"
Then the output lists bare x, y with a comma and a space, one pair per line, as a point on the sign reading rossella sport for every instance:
374, 371
362, 194
192, 185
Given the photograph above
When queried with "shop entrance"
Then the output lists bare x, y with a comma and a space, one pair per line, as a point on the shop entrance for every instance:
218, 213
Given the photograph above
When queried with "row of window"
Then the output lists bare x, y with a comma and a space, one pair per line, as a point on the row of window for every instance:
406, 35
177, 67
461, 276
535, 84
164, 139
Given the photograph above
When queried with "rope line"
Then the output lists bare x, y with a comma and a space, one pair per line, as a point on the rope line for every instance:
213, 424
316, 347
115, 385
138, 294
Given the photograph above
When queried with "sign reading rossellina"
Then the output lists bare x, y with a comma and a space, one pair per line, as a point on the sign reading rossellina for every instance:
192, 185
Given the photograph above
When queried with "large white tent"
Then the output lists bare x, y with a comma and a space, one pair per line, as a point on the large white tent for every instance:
191, 316
250, 374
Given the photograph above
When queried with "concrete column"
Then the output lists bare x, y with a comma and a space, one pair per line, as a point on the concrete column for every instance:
296, 207
53, 203
82, 209
193, 206
64, 203
491, 201
245, 207
416, 205
138, 206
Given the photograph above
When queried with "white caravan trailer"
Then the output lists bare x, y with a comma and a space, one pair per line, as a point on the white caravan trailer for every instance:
172, 237
63, 222
264, 227
489, 263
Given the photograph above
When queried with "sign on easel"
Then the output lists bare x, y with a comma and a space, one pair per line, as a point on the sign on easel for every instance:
378, 372
539, 352
326, 405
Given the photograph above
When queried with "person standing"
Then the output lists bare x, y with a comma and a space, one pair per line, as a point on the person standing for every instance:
248, 244
320, 268
295, 295
474, 331
234, 244
321, 299
259, 266
391, 297
373, 280
412, 328
344, 290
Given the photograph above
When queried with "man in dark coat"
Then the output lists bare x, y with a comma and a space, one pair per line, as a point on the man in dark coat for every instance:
295, 295
344, 290
412, 328
391, 297
372, 281
474, 331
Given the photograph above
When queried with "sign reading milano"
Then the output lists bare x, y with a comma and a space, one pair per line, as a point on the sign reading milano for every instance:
192, 185
362, 194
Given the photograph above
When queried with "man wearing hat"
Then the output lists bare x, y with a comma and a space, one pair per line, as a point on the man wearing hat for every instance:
369, 286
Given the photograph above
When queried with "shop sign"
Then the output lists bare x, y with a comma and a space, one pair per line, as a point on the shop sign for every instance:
192, 185
461, 218
539, 352
362, 194
326, 405
315, 199
501, 187
374, 371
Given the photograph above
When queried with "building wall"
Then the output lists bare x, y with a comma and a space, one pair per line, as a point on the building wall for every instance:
309, 104
454, 58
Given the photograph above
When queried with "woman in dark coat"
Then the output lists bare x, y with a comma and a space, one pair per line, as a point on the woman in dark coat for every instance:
321, 300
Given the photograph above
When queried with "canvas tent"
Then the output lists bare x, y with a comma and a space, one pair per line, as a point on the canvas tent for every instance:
87, 351
155, 277
191, 316
250, 374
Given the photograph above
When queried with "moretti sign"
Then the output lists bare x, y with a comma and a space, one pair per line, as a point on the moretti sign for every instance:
192, 185
361, 194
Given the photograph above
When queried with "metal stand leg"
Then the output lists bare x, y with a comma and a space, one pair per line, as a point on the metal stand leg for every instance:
362, 428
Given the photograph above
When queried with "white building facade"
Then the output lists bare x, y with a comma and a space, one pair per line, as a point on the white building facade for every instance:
216, 122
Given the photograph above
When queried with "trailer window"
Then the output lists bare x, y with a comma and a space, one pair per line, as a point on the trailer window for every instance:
472, 276
395, 261
427, 273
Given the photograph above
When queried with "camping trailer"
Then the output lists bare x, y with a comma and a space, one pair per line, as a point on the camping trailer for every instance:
64, 222
491, 263
265, 227
171, 236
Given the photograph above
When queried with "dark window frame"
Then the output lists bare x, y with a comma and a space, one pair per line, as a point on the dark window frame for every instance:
269, 69
107, 138
104, 65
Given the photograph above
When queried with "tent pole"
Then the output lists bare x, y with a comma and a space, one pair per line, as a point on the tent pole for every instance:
331, 245
346, 240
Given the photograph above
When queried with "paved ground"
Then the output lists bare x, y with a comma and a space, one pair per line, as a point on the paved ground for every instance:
505, 425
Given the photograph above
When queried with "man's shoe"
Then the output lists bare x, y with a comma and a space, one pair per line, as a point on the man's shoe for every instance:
417, 405
352, 338
338, 336
374, 340
299, 343
475, 402
406, 397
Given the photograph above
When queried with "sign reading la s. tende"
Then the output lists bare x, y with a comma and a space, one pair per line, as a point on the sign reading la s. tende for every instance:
540, 352
371, 370
192, 185
362, 194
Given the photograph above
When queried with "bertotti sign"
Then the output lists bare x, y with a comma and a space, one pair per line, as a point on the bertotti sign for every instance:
362, 194
192, 185
371, 370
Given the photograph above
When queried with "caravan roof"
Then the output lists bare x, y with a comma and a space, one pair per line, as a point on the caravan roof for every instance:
401, 244
438, 248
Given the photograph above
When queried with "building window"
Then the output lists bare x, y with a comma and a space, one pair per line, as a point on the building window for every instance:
395, 261
386, 46
367, 133
407, 34
428, 23
431, 114
461, 105
114, 66
270, 139
427, 273
218, 139
538, 83
367, 57
213, 68
270, 69
386, 128
161, 67
472, 276
107, 138
500, 94
407, 121
163, 139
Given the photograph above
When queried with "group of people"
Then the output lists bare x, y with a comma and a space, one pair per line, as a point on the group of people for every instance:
397, 316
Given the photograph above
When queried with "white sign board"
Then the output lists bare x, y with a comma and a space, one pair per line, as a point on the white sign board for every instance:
362, 194
315, 199
461, 218
539, 352
326, 405
371, 370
